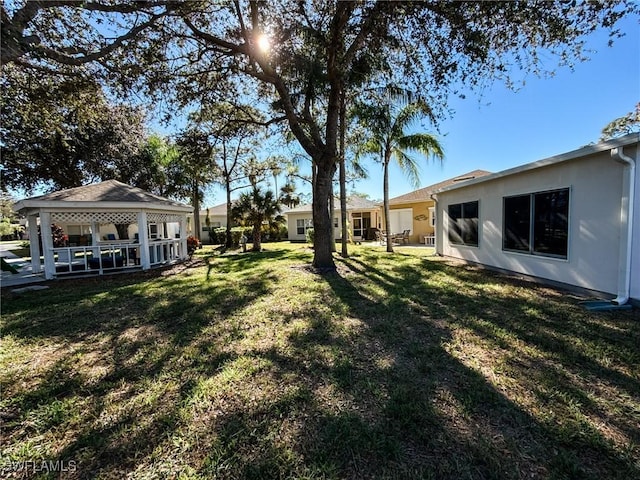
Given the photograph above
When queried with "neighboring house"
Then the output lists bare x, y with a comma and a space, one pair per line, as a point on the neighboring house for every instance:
415, 211
217, 219
571, 219
363, 218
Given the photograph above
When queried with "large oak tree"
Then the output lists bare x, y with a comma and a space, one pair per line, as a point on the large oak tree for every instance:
316, 48
57, 132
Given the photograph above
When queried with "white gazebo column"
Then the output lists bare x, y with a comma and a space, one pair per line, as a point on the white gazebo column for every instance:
47, 245
183, 237
34, 244
95, 233
143, 238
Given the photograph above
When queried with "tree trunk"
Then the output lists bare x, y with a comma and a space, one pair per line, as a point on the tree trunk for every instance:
386, 204
322, 257
343, 180
123, 230
195, 200
228, 240
257, 245
332, 212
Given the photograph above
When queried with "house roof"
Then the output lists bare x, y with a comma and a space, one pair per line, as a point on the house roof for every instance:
625, 140
425, 193
107, 194
221, 210
216, 210
353, 204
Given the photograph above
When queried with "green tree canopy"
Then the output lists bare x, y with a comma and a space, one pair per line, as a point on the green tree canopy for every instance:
628, 123
192, 169
60, 133
318, 51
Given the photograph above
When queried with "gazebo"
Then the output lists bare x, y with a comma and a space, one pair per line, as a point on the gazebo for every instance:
92, 225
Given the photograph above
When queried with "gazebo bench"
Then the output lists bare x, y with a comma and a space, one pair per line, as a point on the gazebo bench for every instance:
107, 262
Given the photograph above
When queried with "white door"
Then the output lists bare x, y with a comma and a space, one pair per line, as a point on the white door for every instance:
400, 220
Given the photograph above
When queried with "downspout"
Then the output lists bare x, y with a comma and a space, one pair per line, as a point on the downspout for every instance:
626, 221
437, 230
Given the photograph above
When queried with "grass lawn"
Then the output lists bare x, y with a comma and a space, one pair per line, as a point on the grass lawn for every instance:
252, 366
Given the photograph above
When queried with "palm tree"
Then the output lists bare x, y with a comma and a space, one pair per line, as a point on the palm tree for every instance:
255, 208
288, 196
387, 125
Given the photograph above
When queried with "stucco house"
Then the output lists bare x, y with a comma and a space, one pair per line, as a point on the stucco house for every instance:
363, 218
416, 210
217, 219
572, 219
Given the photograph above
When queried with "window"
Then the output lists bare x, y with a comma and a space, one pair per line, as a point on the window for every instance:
78, 230
463, 223
537, 223
517, 220
303, 224
335, 222
432, 216
400, 220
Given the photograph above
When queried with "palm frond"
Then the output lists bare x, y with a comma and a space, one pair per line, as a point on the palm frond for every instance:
359, 170
370, 147
406, 116
408, 165
423, 143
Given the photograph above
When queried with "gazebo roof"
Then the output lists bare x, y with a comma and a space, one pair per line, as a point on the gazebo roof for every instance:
107, 195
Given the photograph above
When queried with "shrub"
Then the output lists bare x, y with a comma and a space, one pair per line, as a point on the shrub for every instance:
218, 235
310, 235
192, 244
274, 232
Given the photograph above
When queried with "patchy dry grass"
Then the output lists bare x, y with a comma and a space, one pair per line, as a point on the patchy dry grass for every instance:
252, 366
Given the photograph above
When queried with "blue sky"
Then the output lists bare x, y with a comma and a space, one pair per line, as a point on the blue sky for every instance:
498, 128
502, 129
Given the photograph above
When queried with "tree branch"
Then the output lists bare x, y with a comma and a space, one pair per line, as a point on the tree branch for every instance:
66, 59
365, 30
228, 47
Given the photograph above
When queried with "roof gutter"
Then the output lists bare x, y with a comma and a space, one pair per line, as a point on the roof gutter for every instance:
626, 223
434, 197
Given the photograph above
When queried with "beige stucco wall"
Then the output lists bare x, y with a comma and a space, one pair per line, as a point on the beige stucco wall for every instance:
221, 219
214, 219
635, 247
293, 216
595, 184
421, 227
292, 225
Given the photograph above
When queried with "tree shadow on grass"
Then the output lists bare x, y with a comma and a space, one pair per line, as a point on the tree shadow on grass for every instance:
121, 362
374, 405
569, 445
408, 370
239, 262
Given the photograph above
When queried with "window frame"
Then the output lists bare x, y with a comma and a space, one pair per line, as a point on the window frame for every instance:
461, 231
531, 240
432, 217
307, 223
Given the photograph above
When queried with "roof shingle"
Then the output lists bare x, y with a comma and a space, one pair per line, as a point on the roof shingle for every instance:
107, 191
425, 193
